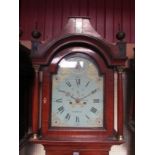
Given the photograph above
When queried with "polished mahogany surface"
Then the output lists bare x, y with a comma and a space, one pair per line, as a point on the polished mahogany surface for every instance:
78, 37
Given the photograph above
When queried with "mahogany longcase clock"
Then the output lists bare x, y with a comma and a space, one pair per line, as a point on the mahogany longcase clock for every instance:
73, 95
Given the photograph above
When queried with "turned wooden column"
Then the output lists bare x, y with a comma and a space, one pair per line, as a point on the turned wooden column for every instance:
120, 116
35, 103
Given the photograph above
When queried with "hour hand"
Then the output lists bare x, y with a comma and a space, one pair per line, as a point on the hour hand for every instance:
67, 94
73, 97
62, 91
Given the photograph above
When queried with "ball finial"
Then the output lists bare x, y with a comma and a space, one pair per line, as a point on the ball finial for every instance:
35, 33
120, 35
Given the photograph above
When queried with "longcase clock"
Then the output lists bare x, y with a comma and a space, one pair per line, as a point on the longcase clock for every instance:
73, 95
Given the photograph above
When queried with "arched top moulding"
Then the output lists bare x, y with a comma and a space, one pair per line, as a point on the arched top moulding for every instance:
79, 32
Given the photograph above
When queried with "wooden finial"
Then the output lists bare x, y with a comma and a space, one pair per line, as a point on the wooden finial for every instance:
120, 35
35, 33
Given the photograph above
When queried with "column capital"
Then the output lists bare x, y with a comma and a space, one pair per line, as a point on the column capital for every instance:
36, 68
120, 69
120, 137
34, 136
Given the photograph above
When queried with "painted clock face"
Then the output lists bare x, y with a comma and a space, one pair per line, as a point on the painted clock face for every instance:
77, 94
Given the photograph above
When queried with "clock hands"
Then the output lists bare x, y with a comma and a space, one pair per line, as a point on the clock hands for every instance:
92, 92
78, 100
67, 94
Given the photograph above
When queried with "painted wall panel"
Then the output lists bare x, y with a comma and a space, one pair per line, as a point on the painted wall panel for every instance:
51, 16
126, 19
132, 18
109, 20
100, 11
117, 17
83, 8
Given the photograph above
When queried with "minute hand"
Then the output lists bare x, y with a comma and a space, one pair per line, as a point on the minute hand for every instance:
92, 92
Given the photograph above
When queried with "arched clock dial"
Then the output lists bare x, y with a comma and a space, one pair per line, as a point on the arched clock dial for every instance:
77, 94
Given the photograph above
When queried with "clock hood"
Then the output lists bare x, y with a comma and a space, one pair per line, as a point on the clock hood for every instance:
79, 32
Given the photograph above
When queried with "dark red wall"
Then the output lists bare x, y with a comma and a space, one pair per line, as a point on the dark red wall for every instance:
51, 16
